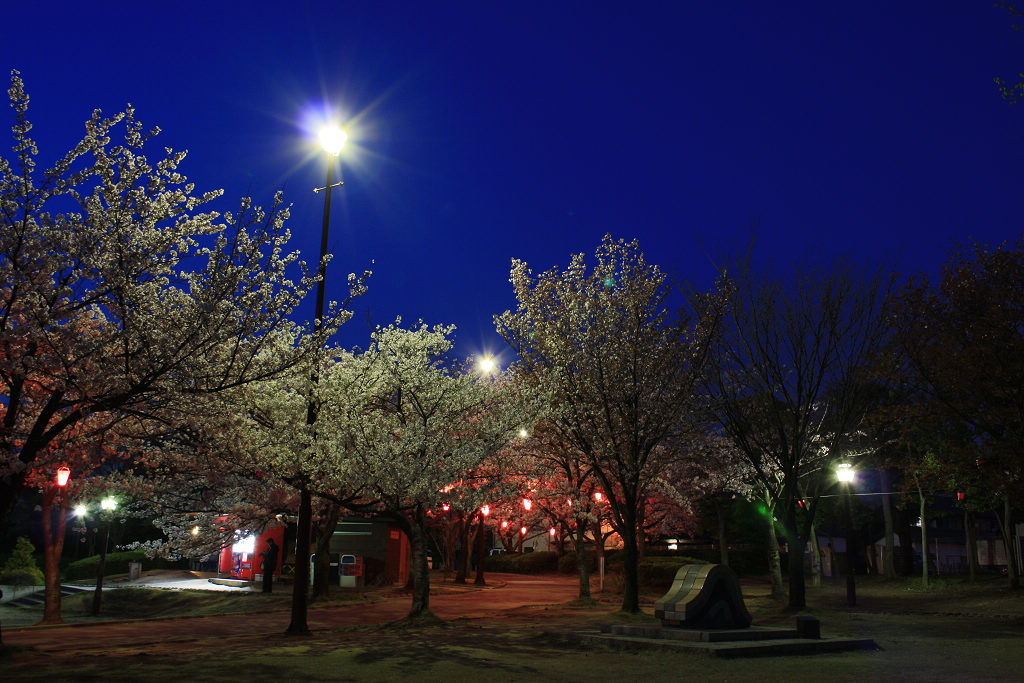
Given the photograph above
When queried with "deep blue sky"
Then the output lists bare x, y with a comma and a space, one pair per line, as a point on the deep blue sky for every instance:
483, 131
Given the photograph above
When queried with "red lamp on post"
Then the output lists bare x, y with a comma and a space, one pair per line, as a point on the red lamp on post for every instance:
63, 474
484, 511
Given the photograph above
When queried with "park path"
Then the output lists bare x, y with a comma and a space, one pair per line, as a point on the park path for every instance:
505, 592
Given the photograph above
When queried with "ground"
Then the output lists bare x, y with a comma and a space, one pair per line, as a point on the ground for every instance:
953, 632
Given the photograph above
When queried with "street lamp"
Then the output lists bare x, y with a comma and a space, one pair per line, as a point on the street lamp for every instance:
484, 511
107, 505
332, 139
845, 474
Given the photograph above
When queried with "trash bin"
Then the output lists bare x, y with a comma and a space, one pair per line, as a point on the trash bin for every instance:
351, 569
134, 571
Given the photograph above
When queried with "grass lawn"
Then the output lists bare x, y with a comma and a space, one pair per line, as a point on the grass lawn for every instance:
954, 632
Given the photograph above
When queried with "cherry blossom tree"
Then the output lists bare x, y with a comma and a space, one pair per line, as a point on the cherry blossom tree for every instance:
618, 371
425, 427
123, 295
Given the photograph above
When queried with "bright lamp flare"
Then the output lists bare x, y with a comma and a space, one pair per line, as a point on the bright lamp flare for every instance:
487, 364
79, 511
844, 473
332, 139
108, 504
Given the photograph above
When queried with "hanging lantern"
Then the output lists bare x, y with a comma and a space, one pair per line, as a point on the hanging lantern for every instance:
63, 474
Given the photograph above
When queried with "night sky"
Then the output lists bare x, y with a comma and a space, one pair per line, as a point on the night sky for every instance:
483, 131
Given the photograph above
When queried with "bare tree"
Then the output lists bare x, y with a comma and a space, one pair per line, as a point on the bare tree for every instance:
786, 379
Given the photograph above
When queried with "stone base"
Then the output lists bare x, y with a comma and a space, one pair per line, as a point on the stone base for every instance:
755, 641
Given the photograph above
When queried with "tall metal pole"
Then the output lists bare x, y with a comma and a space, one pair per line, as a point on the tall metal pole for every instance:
304, 525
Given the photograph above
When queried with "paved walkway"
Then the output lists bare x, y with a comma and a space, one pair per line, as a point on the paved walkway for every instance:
447, 601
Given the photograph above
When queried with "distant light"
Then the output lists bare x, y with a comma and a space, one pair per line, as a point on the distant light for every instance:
195, 531
79, 510
527, 504
446, 507
552, 532
108, 504
845, 473
673, 546
523, 433
522, 530
332, 139
485, 510
504, 524
597, 496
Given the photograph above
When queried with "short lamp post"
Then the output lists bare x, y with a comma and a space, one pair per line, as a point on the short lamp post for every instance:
108, 505
479, 581
846, 475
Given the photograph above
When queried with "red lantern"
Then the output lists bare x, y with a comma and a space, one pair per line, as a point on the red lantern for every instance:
63, 474
485, 510
522, 530
959, 495
552, 532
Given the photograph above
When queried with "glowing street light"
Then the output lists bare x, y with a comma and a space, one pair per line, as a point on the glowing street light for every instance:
332, 139
63, 474
845, 474
108, 505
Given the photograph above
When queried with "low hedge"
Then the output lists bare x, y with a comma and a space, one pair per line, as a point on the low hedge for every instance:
117, 563
539, 562
26, 576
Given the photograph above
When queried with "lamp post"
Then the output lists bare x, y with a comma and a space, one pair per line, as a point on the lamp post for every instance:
846, 475
332, 139
479, 581
108, 505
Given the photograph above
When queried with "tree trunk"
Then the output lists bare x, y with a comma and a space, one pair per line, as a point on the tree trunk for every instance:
774, 561
797, 588
421, 572
971, 539
300, 589
889, 559
582, 567
723, 549
325, 531
53, 544
815, 558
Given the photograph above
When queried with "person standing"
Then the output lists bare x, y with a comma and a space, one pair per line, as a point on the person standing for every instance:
269, 565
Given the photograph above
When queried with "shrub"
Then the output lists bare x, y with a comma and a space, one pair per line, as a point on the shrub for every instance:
21, 568
22, 577
523, 563
117, 563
